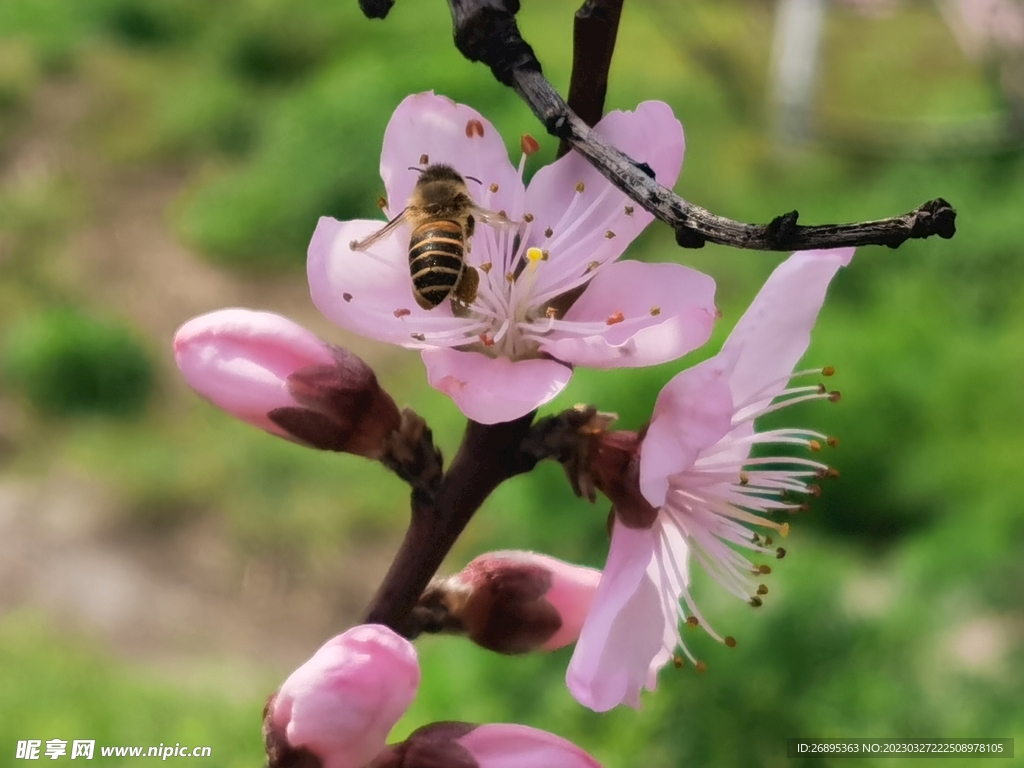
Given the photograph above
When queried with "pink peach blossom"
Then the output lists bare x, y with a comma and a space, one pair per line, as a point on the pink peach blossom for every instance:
496, 745
276, 375
515, 602
342, 703
710, 495
514, 347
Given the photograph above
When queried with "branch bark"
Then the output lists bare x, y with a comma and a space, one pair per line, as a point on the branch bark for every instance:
486, 31
595, 28
376, 9
489, 455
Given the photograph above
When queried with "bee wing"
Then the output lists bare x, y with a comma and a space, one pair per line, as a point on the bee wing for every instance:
495, 219
387, 229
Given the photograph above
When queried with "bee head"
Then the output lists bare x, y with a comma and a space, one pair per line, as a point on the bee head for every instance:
441, 172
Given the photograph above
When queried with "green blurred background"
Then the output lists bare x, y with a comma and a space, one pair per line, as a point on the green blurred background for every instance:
162, 568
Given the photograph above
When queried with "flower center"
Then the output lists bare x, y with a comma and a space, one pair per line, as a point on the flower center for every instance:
719, 502
528, 279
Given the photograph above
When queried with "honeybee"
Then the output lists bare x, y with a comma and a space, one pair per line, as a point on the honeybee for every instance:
443, 217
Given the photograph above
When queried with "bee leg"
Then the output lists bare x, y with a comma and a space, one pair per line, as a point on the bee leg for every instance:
470, 225
466, 289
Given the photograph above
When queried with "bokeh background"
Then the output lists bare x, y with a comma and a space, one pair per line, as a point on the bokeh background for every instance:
162, 568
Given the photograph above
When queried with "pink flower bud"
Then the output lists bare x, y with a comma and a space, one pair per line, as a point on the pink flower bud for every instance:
515, 602
497, 745
341, 704
276, 375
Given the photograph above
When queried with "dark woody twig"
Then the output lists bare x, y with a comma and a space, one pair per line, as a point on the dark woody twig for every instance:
486, 31
593, 42
489, 455
376, 9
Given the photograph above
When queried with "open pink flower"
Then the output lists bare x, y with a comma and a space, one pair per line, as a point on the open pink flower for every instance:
514, 348
341, 705
696, 469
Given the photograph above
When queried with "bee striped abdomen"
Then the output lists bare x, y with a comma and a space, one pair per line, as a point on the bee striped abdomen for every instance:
436, 252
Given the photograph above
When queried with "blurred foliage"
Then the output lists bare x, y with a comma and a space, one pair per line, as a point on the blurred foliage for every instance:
897, 611
111, 705
68, 363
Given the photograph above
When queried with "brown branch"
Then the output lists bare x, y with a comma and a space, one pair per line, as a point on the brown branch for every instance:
486, 31
489, 455
595, 27
376, 9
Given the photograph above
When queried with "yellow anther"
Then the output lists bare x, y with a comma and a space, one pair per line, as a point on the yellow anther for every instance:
535, 256
784, 530
828, 370
580, 186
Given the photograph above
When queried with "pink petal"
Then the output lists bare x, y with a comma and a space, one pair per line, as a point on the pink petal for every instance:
693, 411
239, 360
666, 310
652, 135
624, 629
514, 602
431, 125
491, 390
573, 588
505, 745
343, 702
369, 293
773, 334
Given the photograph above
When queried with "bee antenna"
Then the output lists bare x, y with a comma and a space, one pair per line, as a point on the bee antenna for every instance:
473, 178
414, 168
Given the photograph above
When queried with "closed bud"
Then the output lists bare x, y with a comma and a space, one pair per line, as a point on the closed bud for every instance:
276, 375
336, 710
495, 745
513, 602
